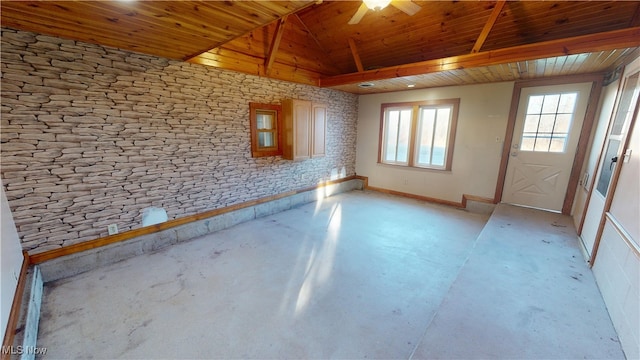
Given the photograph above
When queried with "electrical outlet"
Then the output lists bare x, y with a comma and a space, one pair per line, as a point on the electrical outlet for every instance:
113, 229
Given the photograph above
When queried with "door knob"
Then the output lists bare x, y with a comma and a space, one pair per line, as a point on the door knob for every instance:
514, 153
613, 161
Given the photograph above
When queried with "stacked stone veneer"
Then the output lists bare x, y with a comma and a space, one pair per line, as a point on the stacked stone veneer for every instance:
92, 135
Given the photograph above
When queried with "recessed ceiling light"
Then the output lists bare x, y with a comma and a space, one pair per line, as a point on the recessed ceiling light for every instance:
365, 85
411, 85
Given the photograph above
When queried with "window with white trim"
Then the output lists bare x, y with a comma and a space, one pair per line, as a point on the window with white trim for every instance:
419, 134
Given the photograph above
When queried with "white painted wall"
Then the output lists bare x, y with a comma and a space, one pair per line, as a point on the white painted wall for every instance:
625, 206
617, 266
482, 121
11, 257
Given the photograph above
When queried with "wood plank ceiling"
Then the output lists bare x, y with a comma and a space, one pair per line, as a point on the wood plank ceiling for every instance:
311, 42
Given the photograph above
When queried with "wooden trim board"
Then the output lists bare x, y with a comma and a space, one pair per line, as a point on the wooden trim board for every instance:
112, 239
14, 315
461, 204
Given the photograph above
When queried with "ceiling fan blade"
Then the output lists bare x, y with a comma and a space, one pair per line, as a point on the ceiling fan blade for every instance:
359, 14
406, 6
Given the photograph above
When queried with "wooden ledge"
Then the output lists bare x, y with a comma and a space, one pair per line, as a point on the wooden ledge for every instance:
461, 204
112, 239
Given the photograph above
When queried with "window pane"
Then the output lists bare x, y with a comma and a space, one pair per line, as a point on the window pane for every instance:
550, 104
527, 143
547, 130
440, 137
425, 133
265, 120
563, 123
535, 104
531, 123
607, 169
433, 136
392, 135
403, 138
396, 136
558, 143
567, 103
627, 102
542, 143
546, 124
265, 139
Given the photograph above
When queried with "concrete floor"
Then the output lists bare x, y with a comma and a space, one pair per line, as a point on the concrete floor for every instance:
358, 275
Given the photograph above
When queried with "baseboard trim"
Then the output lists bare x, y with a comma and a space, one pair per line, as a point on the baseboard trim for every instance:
14, 314
416, 197
462, 204
39, 258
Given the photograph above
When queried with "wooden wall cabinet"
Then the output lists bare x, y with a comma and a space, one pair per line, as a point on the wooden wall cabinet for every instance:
305, 128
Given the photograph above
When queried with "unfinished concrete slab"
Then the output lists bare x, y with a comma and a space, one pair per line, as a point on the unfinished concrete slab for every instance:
357, 275
352, 276
526, 293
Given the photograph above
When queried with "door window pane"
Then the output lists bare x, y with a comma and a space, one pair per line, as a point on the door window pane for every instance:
550, 104
607, 167
629, 95
567, 103
563, 123
535, 104
547, 122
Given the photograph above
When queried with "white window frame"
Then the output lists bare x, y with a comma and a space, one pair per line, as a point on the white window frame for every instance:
413, 146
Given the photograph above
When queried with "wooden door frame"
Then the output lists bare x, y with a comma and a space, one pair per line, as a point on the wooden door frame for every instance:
617, 170
583, 141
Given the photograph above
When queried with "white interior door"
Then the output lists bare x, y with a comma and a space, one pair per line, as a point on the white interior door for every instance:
613, 150
545, 138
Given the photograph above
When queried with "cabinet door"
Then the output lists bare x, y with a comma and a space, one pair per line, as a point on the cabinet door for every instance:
301, 130
319, 129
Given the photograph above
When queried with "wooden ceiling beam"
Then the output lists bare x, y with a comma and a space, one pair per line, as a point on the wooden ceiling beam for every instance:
488, 26
617, 39
356, 56
275, 43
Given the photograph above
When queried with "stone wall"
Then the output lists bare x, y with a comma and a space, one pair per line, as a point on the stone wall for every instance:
93, 135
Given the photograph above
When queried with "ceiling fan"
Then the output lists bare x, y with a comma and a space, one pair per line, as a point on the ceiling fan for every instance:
406, 6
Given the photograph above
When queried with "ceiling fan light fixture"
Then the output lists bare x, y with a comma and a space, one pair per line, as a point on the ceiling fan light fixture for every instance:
376, 4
